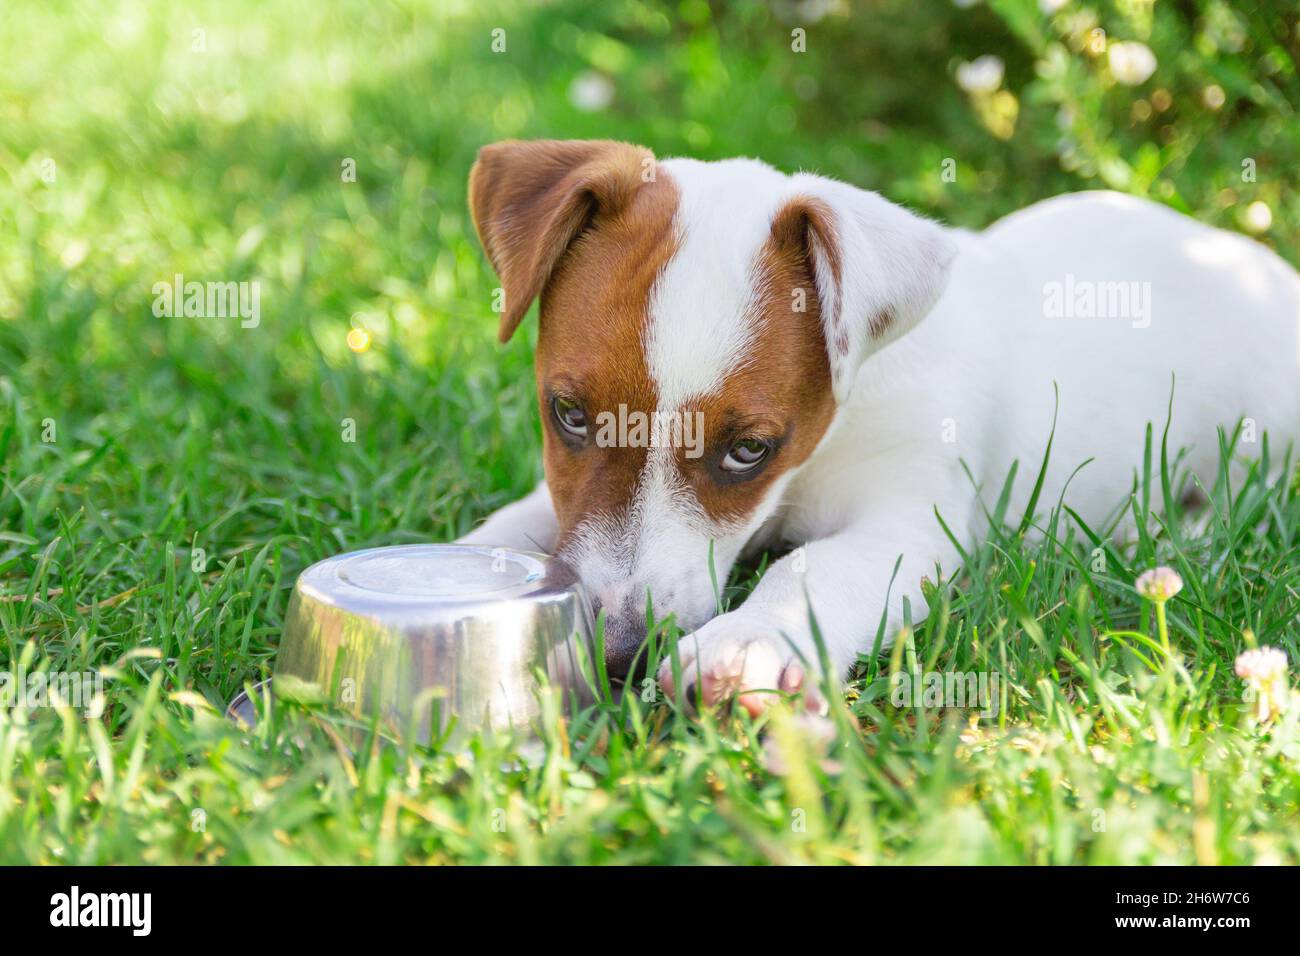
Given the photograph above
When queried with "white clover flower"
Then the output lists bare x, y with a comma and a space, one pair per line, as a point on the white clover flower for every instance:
1159, 584
1051, 6
1261, 665
1264, 670
810, 11
981, 75
1131, 63
1258, 217
591, 92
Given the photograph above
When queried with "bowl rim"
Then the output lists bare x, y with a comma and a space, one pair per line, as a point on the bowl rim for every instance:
325, 580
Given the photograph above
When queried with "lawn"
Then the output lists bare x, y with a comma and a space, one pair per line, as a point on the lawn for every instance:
164, 479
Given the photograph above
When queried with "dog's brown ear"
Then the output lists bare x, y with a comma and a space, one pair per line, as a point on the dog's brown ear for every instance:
878, 268
531, 199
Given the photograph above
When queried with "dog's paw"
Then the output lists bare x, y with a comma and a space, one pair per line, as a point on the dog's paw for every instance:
743, 657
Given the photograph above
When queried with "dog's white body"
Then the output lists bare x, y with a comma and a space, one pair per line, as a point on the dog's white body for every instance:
962, 395
974, 383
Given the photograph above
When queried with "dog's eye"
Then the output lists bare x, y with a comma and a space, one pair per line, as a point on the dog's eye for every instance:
745, 455
570, 416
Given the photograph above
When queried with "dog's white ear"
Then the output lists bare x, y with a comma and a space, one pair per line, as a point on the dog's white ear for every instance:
877, 267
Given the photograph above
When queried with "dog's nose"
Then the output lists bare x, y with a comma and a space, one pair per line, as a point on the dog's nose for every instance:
624, 635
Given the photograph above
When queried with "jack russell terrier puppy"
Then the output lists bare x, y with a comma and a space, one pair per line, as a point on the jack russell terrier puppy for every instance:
826, 370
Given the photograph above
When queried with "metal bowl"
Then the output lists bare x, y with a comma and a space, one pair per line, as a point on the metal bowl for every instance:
436, 636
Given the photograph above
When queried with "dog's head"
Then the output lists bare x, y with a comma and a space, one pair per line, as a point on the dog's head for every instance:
700, 325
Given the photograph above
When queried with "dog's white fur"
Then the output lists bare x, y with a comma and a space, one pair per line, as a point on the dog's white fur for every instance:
972, 383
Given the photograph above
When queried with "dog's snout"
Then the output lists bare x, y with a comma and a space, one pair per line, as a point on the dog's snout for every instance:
624, 634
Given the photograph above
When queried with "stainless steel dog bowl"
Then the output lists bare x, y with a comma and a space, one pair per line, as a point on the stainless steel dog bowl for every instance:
433, 633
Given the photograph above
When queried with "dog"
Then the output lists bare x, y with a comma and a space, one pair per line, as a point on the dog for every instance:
847, 373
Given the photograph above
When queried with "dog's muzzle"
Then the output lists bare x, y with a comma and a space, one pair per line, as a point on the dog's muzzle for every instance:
625, 634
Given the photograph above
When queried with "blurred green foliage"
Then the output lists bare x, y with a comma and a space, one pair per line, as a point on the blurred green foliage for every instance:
208, 139
139, 140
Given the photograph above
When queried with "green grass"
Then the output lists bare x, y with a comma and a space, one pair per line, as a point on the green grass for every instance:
176, 434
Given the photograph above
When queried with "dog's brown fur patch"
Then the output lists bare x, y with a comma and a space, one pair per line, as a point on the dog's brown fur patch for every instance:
531, 199
590, 347
783, 391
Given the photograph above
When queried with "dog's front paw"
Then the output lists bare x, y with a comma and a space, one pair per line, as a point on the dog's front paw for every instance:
746, 657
